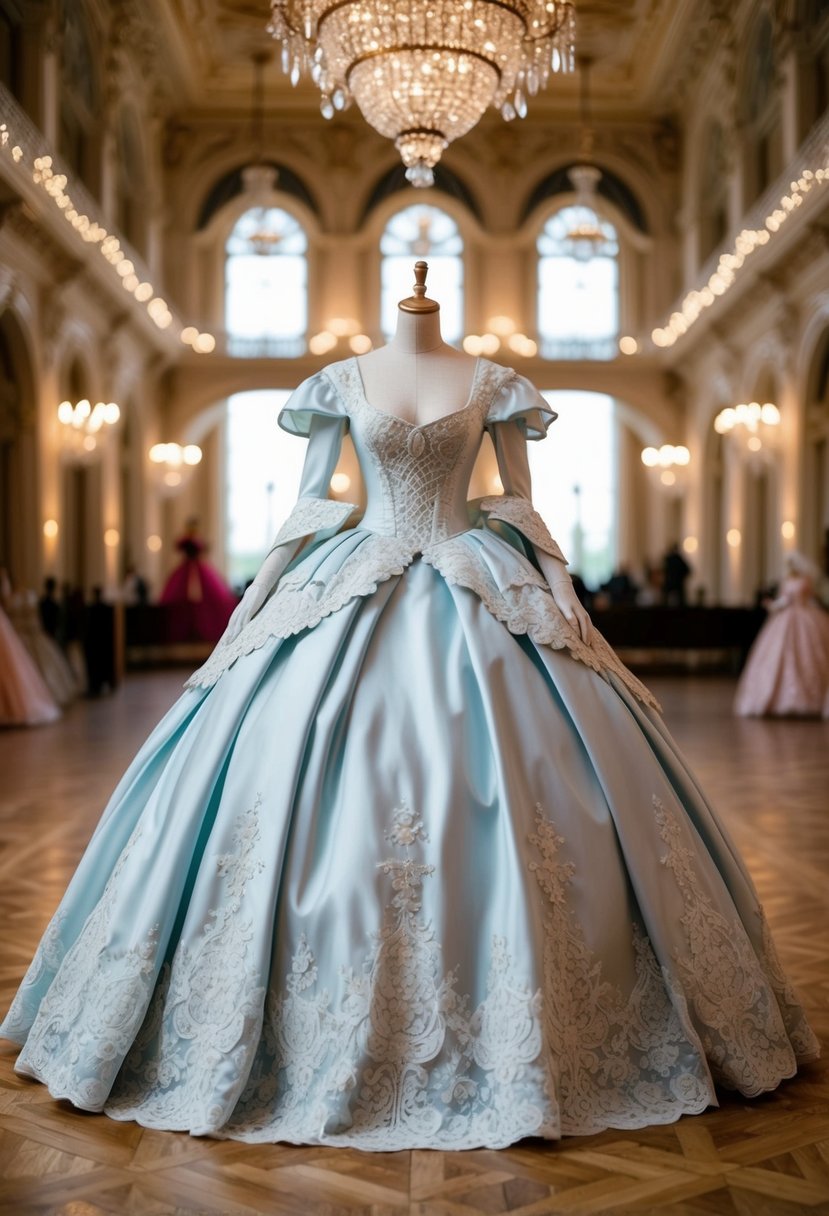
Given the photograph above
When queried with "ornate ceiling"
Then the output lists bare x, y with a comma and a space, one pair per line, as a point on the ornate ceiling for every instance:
636, 46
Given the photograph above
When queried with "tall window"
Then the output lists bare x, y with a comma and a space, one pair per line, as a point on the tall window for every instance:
266, 284
264, 466
574, 481
578, 285
422, 232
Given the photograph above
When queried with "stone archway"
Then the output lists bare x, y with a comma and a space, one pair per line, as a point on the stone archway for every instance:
19, 515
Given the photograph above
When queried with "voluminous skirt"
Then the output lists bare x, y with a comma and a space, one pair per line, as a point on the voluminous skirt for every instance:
787, 670
200, 600
407, 880
24, 698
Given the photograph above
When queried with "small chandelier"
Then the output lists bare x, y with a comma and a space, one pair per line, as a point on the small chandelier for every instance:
668, 465
174, 464
586, 237
83, 425
258, 178
423, 72
755, 427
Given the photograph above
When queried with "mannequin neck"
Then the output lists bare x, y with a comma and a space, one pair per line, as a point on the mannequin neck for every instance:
417, 332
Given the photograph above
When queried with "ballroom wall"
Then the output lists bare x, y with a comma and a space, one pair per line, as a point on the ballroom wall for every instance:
715, 153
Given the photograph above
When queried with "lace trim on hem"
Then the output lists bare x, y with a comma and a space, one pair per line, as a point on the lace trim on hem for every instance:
521, 514
309, 515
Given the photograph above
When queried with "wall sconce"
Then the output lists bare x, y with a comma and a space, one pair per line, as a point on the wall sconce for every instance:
668, 466
84, 426
174, 464
754, 427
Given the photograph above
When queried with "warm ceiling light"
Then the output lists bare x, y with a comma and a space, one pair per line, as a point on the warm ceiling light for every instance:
423, 72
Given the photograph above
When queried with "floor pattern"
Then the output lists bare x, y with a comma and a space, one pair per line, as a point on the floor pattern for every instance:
766, 1157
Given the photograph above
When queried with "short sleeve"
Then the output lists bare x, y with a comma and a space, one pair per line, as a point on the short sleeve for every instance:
316, 396
518, 400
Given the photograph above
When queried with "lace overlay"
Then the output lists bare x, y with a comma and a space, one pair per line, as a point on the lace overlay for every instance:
522, 516
206, 1016
91, 1013
527, 607
300, 602
311, 514
400, 1062
621, 1059
727, 989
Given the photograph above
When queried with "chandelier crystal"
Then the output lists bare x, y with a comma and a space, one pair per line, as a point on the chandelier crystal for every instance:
423, 72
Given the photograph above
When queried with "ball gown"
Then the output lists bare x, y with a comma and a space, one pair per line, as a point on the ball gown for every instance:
24, 698
48, 657
409, 865
200, 599
787, 670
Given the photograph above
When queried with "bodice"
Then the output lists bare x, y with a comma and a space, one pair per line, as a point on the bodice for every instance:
417, 476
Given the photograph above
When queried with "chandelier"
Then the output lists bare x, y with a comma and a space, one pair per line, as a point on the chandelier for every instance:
586, 237
424, 71
83, 426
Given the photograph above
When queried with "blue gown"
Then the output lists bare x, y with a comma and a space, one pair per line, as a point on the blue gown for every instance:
409, 865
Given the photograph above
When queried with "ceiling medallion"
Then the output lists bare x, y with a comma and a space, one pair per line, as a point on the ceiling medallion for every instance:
423, 72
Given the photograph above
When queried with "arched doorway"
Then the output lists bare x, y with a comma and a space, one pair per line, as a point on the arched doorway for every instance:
815, 531
19, 539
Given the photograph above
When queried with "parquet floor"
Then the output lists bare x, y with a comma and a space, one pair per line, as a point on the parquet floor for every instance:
767, 1157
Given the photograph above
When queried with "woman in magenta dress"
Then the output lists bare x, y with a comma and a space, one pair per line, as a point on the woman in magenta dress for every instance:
787, 672
201, 599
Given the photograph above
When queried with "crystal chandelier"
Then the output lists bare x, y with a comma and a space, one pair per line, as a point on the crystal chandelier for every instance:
424, 71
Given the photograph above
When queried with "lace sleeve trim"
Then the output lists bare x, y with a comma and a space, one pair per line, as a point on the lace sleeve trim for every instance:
522, 515
311, 514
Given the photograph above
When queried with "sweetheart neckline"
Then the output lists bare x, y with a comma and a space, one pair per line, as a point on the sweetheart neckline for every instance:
418, 426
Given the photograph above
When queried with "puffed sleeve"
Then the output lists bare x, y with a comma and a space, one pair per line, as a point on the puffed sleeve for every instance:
519, 401
315, 411
518, 413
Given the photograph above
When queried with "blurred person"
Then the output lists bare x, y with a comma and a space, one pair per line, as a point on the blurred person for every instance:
675, 572
25, 699
202, 599
51, 662
49, 607
787, 670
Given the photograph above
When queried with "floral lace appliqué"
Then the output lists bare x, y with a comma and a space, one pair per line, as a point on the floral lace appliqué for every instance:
400, 1061
93, 1008
621, 1059
724, 982
189, 1060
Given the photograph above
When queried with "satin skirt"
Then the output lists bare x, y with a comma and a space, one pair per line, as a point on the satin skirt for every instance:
401, 881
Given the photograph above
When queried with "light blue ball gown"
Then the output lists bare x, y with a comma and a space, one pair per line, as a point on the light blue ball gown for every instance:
409, 865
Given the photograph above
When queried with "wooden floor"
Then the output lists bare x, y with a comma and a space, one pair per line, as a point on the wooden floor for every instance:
770, 781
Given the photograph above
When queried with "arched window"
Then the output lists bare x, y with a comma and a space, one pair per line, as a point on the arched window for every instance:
263, 469
574, 476
266, 284
578, 285
422, 232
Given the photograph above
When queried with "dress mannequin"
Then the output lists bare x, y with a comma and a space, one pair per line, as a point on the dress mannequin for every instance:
416, 376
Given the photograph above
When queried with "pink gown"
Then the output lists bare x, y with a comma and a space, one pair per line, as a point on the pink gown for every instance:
24, 698
201, 599
787, 671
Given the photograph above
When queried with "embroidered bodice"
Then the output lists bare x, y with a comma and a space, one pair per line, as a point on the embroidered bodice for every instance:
417, 476
416, 479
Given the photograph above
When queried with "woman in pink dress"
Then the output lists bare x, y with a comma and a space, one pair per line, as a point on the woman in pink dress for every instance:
24, 698
787, 671
202, 599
